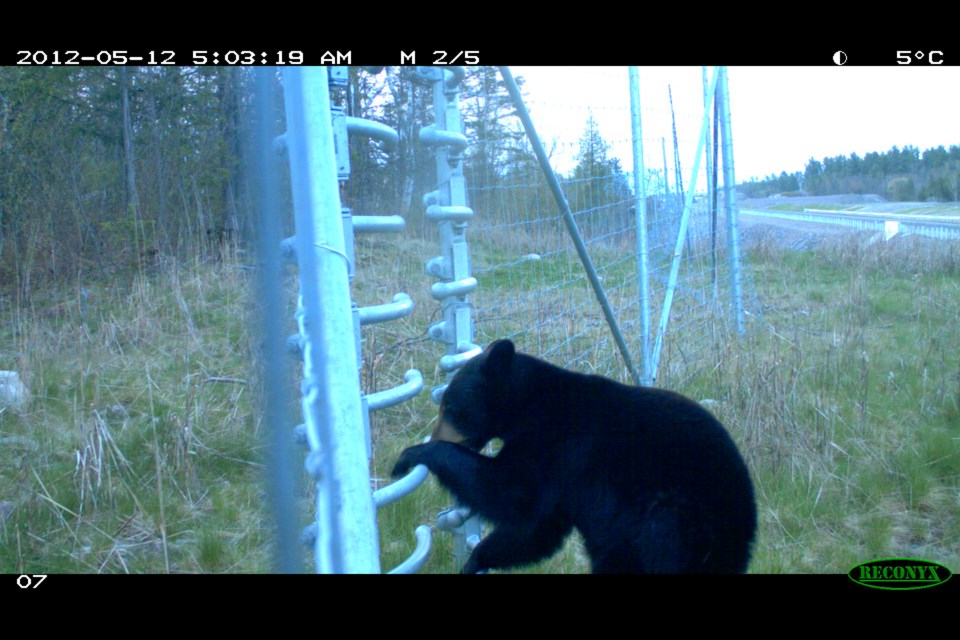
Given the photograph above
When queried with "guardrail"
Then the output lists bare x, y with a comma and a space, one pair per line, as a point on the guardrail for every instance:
939, 227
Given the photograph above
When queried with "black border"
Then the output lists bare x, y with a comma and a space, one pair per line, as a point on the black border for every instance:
643, 48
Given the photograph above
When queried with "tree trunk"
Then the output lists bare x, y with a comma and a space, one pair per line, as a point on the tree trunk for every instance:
129, 161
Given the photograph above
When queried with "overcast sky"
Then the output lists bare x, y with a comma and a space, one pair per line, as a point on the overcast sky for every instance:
781, 116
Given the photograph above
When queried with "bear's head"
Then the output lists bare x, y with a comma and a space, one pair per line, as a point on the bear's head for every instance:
475, 398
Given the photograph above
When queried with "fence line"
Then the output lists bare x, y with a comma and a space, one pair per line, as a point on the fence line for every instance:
533, 286
533, 289
569, 221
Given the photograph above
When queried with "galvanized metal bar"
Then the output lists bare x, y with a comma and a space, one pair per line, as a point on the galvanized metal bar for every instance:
730, 199
378, 224
568, 220
666, 178
640, 214
708, 99
281, 481
444, 290
402, 487
401, 307
413, 384
419, 557
347, 540
707, 102
437, 137
467, 351
436, 213
462, 523
453, 77
459, 521
375, 130
681, 236
453, 518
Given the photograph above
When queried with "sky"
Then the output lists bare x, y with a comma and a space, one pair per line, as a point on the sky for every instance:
781, 116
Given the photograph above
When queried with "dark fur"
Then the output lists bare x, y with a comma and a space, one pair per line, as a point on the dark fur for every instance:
651, 479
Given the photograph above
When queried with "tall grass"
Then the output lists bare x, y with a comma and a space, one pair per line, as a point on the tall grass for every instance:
140, 451
847, 404
843, 396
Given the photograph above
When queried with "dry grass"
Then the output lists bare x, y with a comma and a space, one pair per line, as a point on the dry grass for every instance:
141, 422
140, 451
843, 395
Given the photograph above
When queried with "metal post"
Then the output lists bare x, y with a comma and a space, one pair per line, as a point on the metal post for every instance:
681, 236
281, 482
347, 540
730, 199
707, 102
640, 214
447, 206
571, 224
662, 225
666, 179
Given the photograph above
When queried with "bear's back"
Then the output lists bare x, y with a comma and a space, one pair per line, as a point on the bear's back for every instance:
657, 463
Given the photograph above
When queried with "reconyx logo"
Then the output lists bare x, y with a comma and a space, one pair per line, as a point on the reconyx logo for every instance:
899, 574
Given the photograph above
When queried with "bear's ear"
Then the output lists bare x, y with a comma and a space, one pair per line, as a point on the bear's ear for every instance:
499, 358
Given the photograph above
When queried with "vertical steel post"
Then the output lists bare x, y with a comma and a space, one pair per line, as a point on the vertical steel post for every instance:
707, 102
281, 482
640, 214
347, 539
730, 200
666, 179
447, 206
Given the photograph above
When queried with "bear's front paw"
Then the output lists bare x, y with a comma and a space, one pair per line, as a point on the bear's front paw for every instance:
472, 565
411, 457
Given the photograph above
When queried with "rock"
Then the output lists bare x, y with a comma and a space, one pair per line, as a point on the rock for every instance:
13, 393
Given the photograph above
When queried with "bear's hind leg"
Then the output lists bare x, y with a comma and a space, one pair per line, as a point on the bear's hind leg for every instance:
659, 543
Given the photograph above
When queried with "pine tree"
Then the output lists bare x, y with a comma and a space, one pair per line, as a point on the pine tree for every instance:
598, 188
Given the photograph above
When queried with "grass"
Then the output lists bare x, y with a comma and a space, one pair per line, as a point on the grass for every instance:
852, 410
141, 450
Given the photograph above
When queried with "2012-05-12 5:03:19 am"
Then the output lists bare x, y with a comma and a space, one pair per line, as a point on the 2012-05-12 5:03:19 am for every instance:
39, 57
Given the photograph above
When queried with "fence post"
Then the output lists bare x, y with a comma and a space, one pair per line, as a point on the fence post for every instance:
640, 214
447, 207
346, 533
708, 102
730, 200
281, 482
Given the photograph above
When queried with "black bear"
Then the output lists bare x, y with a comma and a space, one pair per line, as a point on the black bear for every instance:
651, 479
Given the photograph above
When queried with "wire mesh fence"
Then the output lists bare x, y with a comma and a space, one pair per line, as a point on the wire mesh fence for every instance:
533, 289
